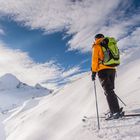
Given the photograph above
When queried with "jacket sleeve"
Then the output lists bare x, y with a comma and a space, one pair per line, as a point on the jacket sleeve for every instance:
95, 58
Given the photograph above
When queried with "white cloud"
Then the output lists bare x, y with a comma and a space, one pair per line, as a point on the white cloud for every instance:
2, 31
121, 28
71, 71
82, 19
130, 41
21, 65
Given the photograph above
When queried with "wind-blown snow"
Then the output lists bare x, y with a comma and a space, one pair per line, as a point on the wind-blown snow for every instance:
58, 116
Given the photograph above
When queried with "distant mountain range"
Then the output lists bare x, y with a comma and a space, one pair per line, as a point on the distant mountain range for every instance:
14, 93
9, 81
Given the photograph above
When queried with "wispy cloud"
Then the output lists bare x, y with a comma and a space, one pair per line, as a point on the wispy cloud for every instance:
21, 65
82, 19
65, 76
131, 41
2, 32
71, 71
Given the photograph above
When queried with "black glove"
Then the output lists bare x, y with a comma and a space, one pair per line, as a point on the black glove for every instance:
93, 76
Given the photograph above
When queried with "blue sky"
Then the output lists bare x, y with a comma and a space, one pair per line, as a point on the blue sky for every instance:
42, 41
43, 47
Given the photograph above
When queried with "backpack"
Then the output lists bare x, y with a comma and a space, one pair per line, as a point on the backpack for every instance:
111, 52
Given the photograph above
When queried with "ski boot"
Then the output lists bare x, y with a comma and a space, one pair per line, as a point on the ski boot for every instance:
116, 115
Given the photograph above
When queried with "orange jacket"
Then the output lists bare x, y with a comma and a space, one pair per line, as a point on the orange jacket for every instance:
97, 56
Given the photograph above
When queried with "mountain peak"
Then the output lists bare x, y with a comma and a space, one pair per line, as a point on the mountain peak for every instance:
8, 81
8, 76
38, 86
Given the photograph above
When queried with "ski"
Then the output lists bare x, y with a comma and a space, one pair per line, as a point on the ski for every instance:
132, 115
103, 117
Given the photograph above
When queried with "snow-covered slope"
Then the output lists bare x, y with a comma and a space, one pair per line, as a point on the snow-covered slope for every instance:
58, 115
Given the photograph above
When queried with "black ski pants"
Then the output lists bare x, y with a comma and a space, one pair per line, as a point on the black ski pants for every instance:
107, 78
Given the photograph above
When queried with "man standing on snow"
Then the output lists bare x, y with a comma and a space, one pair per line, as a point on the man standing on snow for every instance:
106, 76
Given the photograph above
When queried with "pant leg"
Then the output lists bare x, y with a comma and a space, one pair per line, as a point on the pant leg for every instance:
107, 78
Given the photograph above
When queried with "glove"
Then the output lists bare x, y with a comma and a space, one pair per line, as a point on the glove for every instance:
91, 69
93, 76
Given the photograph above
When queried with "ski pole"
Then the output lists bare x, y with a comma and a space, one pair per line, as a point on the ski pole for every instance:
120, 99
96, 106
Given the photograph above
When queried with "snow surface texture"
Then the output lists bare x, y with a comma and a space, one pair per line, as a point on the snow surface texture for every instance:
2, 132
58, 116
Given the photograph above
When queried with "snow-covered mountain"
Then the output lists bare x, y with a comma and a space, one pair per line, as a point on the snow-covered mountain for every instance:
14, 93
9, 81
38, 86
58, 116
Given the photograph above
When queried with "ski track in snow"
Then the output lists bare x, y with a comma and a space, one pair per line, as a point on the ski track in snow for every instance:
121, 129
